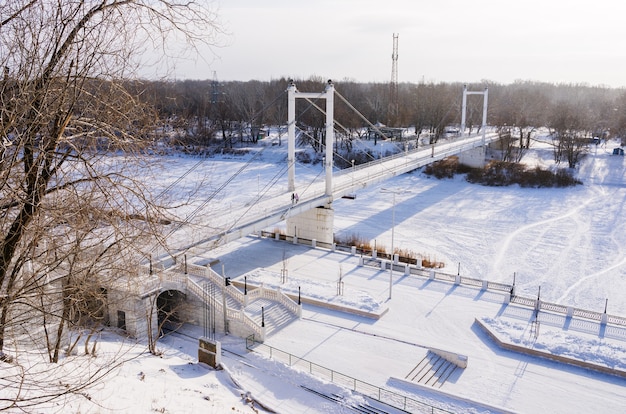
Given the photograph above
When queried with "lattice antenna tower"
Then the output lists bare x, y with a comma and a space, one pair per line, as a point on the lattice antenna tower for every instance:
393, 86
215, 89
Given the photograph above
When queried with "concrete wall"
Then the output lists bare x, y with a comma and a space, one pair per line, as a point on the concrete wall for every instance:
314, 224
457, 359
474, 157
547, 355
194, 312
137, 310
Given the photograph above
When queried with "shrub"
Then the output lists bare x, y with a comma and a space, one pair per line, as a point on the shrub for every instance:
501, 173
445, 168
431, 264
565, 178
404, 255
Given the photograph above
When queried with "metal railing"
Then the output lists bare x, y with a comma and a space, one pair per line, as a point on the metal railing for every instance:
385, 396
379, 262
178, 275
237, 315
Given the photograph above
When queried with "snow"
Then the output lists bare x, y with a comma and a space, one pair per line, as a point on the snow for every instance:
569, 243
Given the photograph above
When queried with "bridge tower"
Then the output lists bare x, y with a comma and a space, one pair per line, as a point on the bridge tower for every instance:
475, 157
315, 224
292, 94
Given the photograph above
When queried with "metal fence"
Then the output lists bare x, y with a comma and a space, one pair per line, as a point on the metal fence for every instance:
385, 396
382, 261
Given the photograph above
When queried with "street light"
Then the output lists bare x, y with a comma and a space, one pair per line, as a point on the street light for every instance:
352, 161
393, 226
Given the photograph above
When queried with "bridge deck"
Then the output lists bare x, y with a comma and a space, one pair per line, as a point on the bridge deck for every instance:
240, 221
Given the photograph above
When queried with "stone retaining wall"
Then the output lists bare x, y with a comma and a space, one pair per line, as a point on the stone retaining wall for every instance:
547, 355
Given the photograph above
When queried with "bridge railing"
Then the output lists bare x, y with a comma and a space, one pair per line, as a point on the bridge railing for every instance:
353, 176
476, 140
196, 289
146, 285
234, 293
241, 317
616, 320
206, 272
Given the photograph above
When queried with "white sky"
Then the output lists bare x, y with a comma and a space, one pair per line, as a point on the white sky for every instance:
443, 40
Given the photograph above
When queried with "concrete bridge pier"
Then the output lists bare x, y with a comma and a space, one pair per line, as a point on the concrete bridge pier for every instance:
476, 157
314, 224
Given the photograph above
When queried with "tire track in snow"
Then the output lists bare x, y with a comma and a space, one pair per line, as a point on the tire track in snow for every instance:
510, 238
603, 192
583, 279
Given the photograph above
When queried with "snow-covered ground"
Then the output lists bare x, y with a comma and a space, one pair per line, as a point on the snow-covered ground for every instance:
569, 243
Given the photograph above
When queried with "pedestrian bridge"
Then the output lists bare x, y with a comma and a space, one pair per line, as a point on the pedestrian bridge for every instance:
311, 217
240, 222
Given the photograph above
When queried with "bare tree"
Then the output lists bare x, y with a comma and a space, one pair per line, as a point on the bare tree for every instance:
618, 124
74, 217
568, 123
520, 109
436, 107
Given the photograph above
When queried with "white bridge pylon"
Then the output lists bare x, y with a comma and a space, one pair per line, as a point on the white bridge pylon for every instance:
292, 95
485, 95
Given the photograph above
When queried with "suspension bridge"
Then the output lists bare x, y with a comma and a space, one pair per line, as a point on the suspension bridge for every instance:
312, 215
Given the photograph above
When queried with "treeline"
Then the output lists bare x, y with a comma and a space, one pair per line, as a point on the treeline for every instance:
204, 109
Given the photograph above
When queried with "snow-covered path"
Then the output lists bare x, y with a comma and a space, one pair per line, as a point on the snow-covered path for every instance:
423, 313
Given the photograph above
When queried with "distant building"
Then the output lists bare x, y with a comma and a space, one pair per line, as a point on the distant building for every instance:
451, 131
381, 132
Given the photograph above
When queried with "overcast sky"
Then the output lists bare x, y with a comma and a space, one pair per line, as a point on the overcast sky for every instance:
439, 40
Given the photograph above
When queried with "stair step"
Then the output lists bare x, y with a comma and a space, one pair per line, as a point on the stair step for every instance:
432, 370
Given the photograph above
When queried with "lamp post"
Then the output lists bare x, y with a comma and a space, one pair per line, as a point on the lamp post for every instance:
393, 226
352, 174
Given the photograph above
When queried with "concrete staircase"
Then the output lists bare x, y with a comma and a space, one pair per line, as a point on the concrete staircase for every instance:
259, 309
432, 370
275, 315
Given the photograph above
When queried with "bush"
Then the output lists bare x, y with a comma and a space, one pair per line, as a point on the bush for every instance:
501, 173
404, 255
565, 178
431, 264
445, 168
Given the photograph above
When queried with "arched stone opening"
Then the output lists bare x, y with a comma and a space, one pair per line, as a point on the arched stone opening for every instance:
169, 306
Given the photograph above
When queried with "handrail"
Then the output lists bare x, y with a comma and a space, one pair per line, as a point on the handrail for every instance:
375, 392
276, 296
231, 314
503, 287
